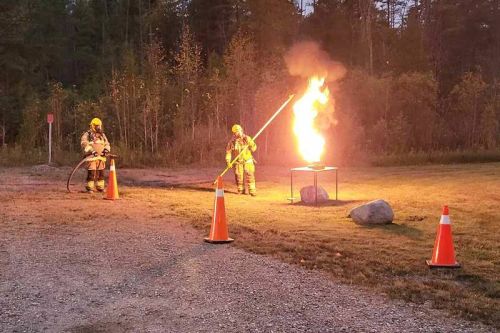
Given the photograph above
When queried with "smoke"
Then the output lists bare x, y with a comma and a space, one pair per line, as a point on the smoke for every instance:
306, 59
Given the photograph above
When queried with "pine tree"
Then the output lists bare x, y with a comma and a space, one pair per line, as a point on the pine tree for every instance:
242, 75
187, 73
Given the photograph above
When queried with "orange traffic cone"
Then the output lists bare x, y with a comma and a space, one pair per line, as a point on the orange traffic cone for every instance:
112, 190
443, 255
218, 229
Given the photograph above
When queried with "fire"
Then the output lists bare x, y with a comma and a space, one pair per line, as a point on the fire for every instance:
310, 141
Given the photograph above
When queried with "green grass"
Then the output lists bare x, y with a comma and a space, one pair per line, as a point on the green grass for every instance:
435, 157
389, 259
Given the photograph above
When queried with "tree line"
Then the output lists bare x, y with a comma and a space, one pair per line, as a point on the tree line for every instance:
169, 77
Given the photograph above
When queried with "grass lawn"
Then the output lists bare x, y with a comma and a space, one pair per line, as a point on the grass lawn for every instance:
389, 259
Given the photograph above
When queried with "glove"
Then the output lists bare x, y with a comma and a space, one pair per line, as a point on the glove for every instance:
229, 165
105, 152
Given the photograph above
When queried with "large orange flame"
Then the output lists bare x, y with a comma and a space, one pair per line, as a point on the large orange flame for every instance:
310, 141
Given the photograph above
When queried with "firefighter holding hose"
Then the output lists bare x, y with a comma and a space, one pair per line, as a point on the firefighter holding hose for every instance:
96, 146
242, 145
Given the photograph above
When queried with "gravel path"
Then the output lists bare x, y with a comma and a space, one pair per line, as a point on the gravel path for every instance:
64, 270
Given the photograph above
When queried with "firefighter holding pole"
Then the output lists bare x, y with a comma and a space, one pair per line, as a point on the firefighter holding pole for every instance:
241, 147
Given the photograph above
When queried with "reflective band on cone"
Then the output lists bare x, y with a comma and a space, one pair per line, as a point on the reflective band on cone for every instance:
443, 255
445, 219
218, 228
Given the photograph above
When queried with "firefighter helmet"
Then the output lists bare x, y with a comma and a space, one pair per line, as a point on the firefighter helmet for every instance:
95, 124
236, 128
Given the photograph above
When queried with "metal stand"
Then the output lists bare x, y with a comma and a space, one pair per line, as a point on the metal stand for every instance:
315, 177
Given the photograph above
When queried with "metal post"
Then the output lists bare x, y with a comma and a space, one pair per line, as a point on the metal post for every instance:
291, 186
50, 143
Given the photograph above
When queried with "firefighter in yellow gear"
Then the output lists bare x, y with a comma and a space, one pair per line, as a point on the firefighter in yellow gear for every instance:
244, 166
96, 146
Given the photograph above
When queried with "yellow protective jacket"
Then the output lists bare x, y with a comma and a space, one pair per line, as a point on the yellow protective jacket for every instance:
92, 141
236, 145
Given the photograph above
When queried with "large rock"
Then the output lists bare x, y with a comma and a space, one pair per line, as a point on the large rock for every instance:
308, 195
374, 212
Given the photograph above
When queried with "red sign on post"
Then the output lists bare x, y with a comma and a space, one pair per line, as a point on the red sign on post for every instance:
50, 118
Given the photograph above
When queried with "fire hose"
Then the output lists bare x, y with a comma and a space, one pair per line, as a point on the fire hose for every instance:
87, 158
230, 165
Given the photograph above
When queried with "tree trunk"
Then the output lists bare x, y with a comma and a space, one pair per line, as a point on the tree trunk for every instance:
474, 119
266, 146
156, 127
145, 123
369, 39
366, 40
141, 42
3, 130
389, 13
126, 22
210, 125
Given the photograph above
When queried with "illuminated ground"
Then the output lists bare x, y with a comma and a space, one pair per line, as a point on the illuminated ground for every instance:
78, 263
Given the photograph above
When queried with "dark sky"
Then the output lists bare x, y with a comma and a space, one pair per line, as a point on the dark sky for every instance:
307, 6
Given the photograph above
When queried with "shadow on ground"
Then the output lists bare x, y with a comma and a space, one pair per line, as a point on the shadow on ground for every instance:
328, 203
397, 229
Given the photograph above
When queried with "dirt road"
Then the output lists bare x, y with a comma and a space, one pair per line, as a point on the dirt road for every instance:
77, 263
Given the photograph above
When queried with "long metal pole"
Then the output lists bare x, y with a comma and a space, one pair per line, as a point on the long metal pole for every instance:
274, 116
50, 143
256, 135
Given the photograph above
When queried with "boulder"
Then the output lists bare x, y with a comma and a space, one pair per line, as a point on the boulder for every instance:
373, 212
308, 193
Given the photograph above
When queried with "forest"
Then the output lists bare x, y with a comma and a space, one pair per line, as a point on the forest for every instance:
170, 77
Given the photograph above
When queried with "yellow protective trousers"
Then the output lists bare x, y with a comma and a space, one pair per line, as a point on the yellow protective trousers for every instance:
244, 174
95, 175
